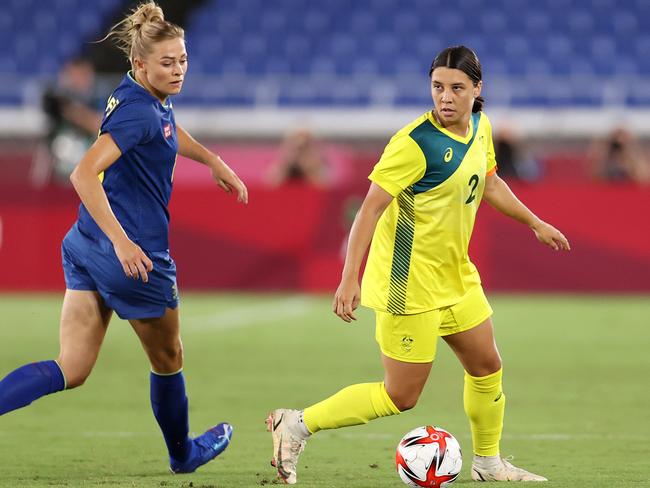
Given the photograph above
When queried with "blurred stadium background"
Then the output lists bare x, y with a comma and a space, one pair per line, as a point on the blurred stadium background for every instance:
559, 77
567, 88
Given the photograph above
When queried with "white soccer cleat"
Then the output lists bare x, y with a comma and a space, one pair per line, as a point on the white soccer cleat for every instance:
287, 446
503, 471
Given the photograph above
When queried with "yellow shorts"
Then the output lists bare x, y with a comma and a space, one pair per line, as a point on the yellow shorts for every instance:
412, 338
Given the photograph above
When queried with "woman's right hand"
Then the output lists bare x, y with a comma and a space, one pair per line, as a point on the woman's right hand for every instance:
135, 262
348, 294
346, 299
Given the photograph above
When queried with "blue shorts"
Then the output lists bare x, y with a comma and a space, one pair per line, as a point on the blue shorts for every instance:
91, 264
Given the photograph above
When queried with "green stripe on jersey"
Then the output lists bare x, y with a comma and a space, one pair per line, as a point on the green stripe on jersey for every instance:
442, 153
399, 273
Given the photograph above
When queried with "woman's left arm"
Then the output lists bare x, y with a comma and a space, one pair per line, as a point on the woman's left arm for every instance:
221, 172
499, 195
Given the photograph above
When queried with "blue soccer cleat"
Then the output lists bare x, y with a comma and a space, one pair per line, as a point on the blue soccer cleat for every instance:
205, 448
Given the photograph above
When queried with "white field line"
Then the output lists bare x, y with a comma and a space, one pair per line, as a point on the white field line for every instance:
261, 313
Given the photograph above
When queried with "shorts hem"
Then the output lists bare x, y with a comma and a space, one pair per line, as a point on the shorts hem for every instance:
81, 288
153, 314
403, 359
464, 328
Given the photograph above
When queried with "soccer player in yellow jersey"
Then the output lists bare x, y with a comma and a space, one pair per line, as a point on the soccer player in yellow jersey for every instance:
419, 214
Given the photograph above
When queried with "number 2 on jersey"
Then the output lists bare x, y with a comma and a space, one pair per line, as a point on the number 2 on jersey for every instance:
473, 182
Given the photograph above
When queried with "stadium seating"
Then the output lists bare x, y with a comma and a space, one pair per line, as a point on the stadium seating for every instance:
367, 52
296, 52
37, 36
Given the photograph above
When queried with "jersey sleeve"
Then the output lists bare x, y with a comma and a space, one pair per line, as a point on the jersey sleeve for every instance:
401, 165
491, 157
130, 124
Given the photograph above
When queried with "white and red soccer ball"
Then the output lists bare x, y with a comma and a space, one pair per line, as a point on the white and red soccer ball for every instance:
429, 457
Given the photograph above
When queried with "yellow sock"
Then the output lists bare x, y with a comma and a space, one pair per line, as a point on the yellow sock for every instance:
354, 405
484, 403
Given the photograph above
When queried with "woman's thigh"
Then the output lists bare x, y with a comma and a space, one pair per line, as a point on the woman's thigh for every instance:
84, 321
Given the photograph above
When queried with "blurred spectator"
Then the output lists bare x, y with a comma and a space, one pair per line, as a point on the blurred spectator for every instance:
301, 159
513, 160
618, 157
73, 113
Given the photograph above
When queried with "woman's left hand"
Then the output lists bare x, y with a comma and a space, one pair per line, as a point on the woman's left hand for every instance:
549, 235
229, 181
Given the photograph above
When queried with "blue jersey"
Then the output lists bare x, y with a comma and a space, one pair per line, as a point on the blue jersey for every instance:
139, 184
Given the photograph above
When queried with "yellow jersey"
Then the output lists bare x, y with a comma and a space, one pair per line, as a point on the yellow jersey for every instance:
418, 258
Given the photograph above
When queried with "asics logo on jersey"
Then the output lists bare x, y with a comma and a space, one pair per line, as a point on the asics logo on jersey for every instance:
449, 153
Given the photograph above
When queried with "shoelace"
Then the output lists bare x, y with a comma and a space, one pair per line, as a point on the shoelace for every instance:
515, 469
295, 448
208, 442
506, 462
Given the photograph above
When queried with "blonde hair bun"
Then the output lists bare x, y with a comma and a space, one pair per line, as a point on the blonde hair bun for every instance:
143, 27
143, 13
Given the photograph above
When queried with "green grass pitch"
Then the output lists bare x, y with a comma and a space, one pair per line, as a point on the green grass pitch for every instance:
576, 375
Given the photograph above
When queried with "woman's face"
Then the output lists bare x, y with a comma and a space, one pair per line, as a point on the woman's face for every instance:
453, 94
164, 68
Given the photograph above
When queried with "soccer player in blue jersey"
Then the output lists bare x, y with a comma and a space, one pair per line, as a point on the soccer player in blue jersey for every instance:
115, 257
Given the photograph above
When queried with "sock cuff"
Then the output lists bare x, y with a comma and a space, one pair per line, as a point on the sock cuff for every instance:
165, 386
382, 402
65, 382
166, 374
302, 425
485, 383
310, 423
52, 370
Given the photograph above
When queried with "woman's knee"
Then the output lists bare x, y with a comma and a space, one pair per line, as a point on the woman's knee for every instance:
167, 359
486, 367
405, 381
75, 375
403, 399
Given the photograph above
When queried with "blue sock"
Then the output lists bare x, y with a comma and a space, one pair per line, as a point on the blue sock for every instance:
169, 405
28, 383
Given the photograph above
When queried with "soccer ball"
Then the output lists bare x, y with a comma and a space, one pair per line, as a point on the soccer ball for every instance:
428, 456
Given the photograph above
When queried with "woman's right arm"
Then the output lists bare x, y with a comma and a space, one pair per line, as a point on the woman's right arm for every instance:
85, 179
348, 294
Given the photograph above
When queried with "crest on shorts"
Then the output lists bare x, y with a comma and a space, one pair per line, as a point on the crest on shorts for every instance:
407, 343
174, 291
